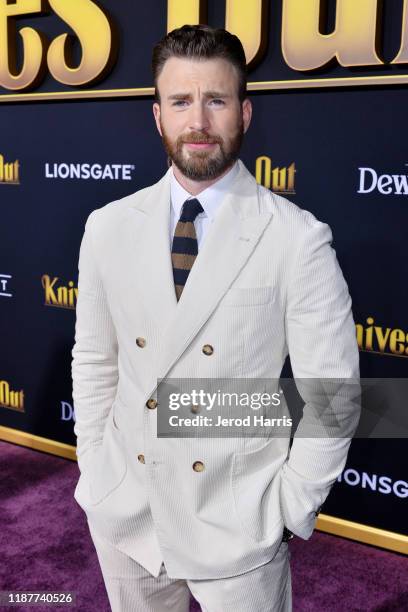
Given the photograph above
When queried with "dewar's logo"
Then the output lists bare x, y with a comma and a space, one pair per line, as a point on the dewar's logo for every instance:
386, 184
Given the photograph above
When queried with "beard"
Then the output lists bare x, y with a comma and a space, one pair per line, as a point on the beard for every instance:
204, 165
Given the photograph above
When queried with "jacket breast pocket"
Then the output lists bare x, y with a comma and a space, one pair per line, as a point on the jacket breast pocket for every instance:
109, 466
248, 296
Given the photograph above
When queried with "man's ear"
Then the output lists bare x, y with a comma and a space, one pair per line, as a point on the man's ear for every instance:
156, 113
246, 113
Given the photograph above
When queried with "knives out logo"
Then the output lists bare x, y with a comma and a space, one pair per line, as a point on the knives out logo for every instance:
59, 295
279, 180
9, 172
374, 338
92, 26
307, 41
10, 398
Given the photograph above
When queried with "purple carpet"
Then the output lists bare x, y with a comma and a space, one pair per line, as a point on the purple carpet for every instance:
45, 545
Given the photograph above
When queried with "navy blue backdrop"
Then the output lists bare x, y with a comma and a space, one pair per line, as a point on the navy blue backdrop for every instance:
329, 134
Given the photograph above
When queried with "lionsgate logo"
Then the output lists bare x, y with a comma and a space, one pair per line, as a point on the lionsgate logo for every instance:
85, 171
385, 184
374, 482
5, 282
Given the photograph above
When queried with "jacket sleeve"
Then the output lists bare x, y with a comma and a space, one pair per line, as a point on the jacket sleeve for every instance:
321, 339
94, 355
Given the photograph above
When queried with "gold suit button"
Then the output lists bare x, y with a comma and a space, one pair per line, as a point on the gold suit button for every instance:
208, 349
141, 458
141, 342
198, 466
194, 408
151, 403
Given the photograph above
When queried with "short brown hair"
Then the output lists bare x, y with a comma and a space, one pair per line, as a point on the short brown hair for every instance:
201, 42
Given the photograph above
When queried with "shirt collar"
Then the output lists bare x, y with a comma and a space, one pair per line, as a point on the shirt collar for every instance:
209, 198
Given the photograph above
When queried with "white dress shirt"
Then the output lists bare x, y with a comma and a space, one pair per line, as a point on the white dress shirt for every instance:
210, 199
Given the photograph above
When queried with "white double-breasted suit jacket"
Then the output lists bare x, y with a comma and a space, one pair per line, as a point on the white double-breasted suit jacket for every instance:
266, 282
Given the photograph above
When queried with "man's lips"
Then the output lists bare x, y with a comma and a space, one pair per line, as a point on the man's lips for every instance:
200, 145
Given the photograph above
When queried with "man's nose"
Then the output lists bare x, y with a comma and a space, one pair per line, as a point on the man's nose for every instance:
199, 117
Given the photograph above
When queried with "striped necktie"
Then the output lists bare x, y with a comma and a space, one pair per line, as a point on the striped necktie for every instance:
184, 249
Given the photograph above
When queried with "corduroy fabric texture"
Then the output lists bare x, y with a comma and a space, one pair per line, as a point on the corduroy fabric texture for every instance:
131, 587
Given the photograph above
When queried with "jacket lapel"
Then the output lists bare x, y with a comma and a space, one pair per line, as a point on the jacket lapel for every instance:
148, 235
231, 238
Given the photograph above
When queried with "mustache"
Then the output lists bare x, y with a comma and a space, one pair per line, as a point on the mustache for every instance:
198, 137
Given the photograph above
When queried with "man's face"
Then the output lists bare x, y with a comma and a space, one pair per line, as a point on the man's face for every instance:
200, 117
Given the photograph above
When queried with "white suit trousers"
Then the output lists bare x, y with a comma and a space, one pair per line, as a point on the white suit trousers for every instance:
131, 588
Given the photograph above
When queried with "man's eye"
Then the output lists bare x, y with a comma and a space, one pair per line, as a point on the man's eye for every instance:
179, 102
217, 102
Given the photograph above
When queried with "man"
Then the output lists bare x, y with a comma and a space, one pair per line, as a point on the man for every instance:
204, 275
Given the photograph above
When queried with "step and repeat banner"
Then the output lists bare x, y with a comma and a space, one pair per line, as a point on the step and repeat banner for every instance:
328, 82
